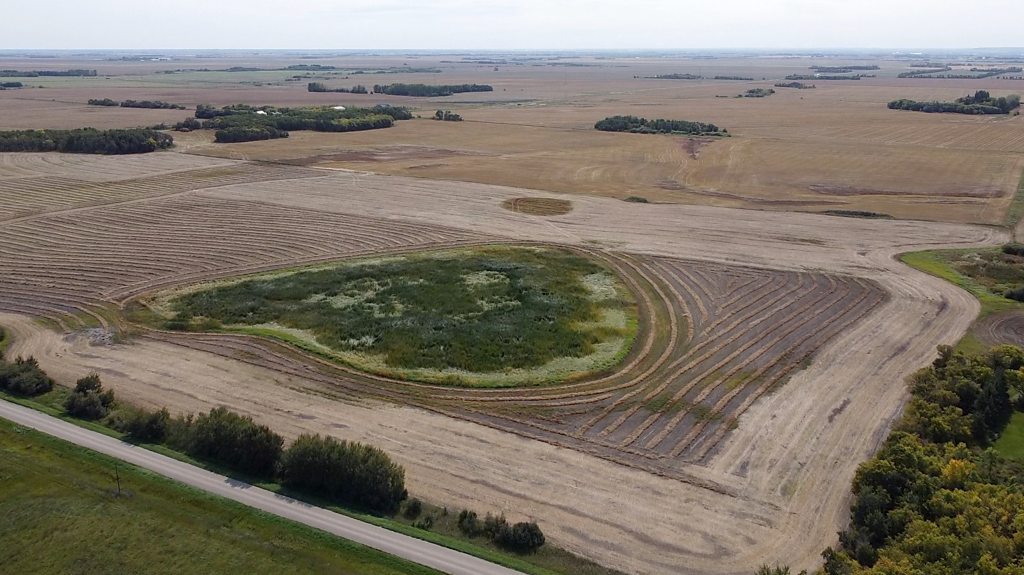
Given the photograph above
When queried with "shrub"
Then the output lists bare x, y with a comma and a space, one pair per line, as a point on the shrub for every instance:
344, 471
233, 440
413, 508
148, 426
1014, 249
24, 377
88, 400
523, 537
469, 524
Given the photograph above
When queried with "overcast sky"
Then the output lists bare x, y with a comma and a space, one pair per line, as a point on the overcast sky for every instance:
509, 24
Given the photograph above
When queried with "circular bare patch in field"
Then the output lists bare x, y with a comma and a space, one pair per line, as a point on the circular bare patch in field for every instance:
1002, 328
538, 206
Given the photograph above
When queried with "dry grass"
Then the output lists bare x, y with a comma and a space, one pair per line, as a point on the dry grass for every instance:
538, 206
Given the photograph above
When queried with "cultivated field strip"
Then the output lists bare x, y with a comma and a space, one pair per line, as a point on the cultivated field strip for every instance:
713, 340
25, 196
69, 263
95, 168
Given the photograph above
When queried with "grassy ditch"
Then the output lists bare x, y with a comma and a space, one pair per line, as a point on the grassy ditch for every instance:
63, 514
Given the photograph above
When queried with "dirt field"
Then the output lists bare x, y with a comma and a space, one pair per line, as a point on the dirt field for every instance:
724, 495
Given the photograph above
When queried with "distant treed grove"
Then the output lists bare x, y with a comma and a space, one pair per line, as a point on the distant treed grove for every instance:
447, 116
977, 73
429, 90
797, 85
841, 69
980, 103
43, 73
10, 85
243, 123
822, 77
85, 141
733, 78
638, 125
757, 93
151, 104
675, 77
321, 87
937, 499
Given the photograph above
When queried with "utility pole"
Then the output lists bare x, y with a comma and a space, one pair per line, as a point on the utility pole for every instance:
117, 477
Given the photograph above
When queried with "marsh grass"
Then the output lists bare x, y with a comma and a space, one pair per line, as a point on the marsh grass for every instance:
488, 316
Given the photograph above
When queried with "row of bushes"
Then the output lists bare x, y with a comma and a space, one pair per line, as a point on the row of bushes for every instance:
248, 134
522, 537
429, 90
85, 141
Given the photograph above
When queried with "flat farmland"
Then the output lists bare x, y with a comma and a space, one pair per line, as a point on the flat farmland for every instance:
835, 147
768, 349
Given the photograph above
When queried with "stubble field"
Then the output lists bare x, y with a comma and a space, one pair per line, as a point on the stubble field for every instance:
772, 345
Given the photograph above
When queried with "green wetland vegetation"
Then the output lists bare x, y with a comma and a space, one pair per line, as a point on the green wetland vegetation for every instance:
490, 316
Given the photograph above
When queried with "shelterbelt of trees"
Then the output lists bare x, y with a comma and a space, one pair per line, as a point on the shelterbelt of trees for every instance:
244, 123
150, 104
981, 102
85, 141
429, 90
639, 125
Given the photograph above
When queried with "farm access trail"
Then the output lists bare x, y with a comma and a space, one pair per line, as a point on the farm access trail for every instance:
784, 470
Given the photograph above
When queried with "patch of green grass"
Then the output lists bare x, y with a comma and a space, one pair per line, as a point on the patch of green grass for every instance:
489, 316
940, 263
1016, 209
62, 515
1011, 442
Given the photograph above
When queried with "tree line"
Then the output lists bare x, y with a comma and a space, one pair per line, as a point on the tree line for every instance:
799, 77
11, 85
797, 85
321, 87
842, 69
339, 471
44, 73
639, 125
85, 141
429, 90
937, 499
981, 102
151, 104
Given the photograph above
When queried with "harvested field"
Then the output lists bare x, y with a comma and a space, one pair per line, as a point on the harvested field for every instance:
750, 470
86, 183
1001, 328
538, 206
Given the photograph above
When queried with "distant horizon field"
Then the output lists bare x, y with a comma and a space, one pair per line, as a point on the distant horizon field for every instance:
835, 147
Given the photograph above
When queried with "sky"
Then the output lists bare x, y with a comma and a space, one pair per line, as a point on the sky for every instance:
508, 24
